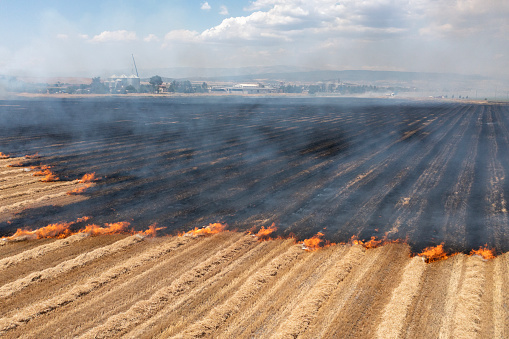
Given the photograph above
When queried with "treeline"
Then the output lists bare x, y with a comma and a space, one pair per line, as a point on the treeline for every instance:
186, 87
340, 89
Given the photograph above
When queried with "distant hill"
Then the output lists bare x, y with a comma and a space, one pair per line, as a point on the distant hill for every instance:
296, 74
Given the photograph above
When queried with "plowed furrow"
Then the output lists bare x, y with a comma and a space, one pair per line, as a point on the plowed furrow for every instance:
145, 309
467, 317
175, 317
338, 299
395, 312
356, 316
117, 297
40, 251
435, 303
11, 248
306, 311
9, 289
250, 288
273, 307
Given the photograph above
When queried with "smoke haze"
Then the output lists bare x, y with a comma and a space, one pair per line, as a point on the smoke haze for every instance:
70, 39
426, 172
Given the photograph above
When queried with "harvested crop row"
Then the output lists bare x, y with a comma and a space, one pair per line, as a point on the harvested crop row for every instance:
216, 290
40, 250
148, 308
230, 285
250, 288
9, 289
26, 315
306, 311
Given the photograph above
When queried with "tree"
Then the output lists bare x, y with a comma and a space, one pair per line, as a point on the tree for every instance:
156, 81
97, 86
130, 89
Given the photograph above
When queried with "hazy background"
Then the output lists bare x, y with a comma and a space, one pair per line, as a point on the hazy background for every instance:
63, 38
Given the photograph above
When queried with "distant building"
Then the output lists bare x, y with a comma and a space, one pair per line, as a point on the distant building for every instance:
119, 83
244, 89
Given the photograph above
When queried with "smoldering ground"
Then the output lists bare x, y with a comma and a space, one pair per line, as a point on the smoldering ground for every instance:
425, 172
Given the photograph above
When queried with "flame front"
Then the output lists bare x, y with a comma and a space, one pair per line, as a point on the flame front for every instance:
45, 172
87, 179
484, 252
16, 164
57, 230
78, 190
315, 242
152, 230
435, 253
32, 156
50, 231
118, 227
263, 233
208, 230
4, 156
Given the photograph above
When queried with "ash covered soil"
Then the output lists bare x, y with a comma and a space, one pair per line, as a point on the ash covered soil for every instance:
427, 172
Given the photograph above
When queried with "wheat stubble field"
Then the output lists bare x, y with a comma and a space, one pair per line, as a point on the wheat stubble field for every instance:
416, 176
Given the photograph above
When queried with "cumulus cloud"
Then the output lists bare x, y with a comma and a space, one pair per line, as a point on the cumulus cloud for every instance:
205, 6
83, 36
62, 36
288, 20
223, 10
151, 38
120, 35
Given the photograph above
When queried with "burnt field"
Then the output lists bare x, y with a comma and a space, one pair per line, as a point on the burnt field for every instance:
428, 172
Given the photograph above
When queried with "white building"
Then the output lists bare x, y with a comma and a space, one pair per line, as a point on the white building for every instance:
119, 83
244, 89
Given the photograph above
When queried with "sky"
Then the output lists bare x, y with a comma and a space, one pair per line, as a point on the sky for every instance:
91, 38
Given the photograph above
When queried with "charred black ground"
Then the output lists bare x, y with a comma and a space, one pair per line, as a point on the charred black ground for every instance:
428, 172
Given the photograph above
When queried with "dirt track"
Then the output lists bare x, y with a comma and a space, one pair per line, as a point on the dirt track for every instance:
232, 285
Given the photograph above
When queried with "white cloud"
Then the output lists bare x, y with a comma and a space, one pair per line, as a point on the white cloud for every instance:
120, 35
151, 38
288, 20
62, 36
223, 10
83, 36
205, 6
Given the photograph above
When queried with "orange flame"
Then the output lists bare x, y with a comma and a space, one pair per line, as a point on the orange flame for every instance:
82, 219
315, 242
484, 252
263, 233
78, 190
57, 230
152, 230
87, 178
50, 231
42, 170
435, 253
118, 227
62, 230
45, 172
16, 164
32, 156
4, 156
373, 243
210, 229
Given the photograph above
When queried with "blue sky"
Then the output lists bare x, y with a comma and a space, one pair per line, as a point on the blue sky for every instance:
58, 37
